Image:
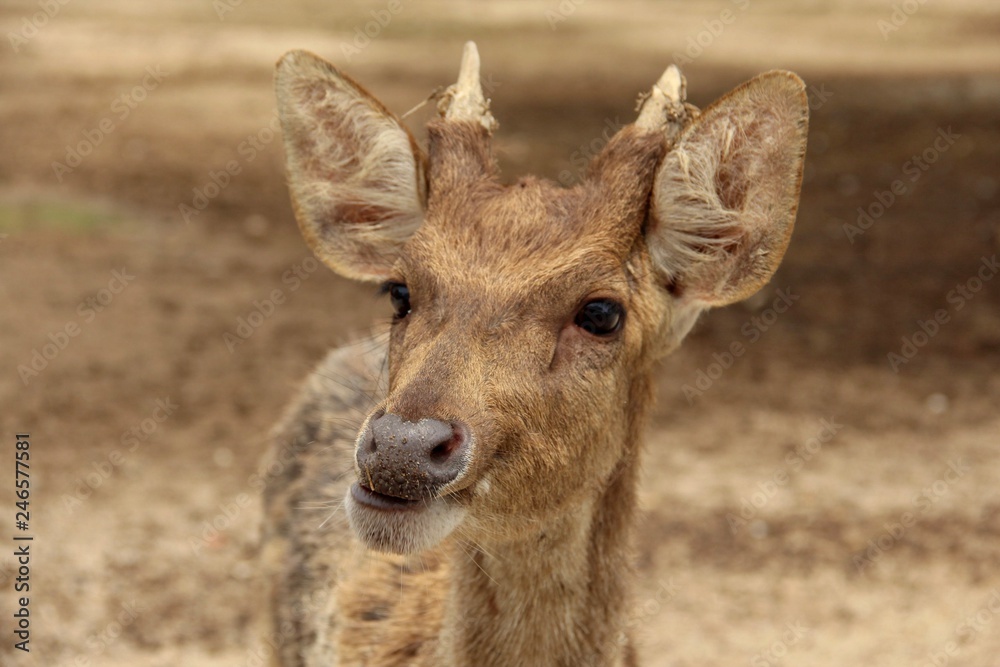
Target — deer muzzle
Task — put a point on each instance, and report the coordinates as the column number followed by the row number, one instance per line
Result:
column 409, row 461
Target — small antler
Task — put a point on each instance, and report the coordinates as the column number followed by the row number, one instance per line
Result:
column 665, row 107
column 464, row 99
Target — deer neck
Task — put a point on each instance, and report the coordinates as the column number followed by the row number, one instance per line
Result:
column 556, row 598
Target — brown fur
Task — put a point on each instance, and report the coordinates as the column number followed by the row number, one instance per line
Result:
column 523, row 559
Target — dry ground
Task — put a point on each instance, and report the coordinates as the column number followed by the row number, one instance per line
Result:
column 127, row 567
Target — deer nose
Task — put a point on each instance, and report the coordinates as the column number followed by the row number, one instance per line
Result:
column 411, row 460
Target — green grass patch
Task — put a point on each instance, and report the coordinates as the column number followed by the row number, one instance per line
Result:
column 67, row 216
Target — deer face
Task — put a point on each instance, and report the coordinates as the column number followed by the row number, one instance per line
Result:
column 526, row 317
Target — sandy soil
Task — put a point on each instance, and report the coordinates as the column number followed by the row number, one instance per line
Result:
column 775, row 500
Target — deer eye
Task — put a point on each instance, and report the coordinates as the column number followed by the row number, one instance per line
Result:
column 399, row 297
column 601, row 317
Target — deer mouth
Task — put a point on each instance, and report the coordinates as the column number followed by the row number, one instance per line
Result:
column 400, row 525
column 371, row 499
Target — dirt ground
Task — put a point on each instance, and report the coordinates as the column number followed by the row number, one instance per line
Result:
column 814, row 501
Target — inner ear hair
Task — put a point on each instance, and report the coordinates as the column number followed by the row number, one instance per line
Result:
column 725, row 196
column 356, row 175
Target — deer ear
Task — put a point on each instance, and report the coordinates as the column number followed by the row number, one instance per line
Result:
column 355, row 173
column 724, row 198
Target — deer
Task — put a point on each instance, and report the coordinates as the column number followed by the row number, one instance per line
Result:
column 476, row 460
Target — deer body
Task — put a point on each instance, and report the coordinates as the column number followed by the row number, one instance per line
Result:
column 486, row 454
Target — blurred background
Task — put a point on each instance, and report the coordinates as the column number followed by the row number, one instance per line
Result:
column 827, row 497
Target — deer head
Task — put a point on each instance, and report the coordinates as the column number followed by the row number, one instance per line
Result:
column 527, row 317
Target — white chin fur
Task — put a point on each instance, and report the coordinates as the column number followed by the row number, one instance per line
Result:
column 406, row 531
